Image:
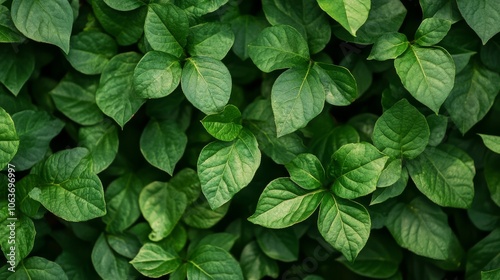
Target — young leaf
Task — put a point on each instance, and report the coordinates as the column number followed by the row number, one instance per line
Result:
column 282, row 244
column 344, row 224
column 107, row 263
column 283, row 204
column 297, row 97
column 401, row 131
column 279, row 47
column 17, row 67
column 24, row 237
column 102, row 142
column 473, row 95
column 492, row 142
column 39, row 268
column 155, row 261
column 48, row 21
column 389, row 46
column 431, row 31
column 210, row 262
column 206, row 83
column 340, row 86
column 166, row 28
column 210, row 39
column 116, row 96
column 9, row 141
column 383, row 194
column 156, row 209
column 225, row 168
column 445, row 175
column 422, row 227
column 157, row 75
column 246, row 29
column 90, row 51
column 226, row 125
column 350, row 14
column 306, row 171
column 482, row 16
column 326, row 144
column 356, row 168
column 427, row 73
column 255, row 264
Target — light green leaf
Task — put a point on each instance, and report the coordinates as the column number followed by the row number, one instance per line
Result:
column 108, row 264
column 309, row 20
column 163, row 144
column 116, row 96
column 383, row 194
column 225, row 125
column 102, row 142
column 199, row 8
column 344, row 224
column 329, row 142
column 246, row 29
column 279, row 47
column 427, row 73
column 482, row 16
column 74, row 96
column 9, row 141
column 255, row 264
column 67, row 175
column 48, row 21
column 297, row 97
column 35, row 130
column 445, row 175
column 484, row 255
column 38, row 268
column 389, row 46
column 122, row 202
column 200, row 215
column 473, row 95
column 340, row 86
column 306, row 171
column 283, row 204
column 90, row 51
column 422, row 227
column 206, row 83
column 187, row 181
column 356, row 168
column 166, row 28
column 225, row 168
column 391, row 173
column 155, row 261
column 17, row 67
column 125, row 5
column 350, row 14
column 210, row 262
column 211, row 39
column 401, row 131
column 24, row 237
column 431, row 31
column 282, row 244
column 492, row 142
column 156, row 208
column 8, row 31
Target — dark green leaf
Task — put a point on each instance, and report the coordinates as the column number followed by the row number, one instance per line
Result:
column 484, row 255
column 443, row 9
column 187, row 181
column 482, row 16
column 210, row 39
column 102, row 142
column 8, row 31
column 246, row 29
column 222, row 240
column 17, row 66
column 437, row 126
column 340, row 86
column 107, row 263
column 329, row 142
column 125, row 5
column 39, row 268
column 200, row 215
column 282, row 244
column 90, row 51
column 9, row 141
column 394, row 190
column 255, row 264
column 15, row 248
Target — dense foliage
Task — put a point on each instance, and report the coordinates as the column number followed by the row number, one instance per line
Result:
column 225, row 139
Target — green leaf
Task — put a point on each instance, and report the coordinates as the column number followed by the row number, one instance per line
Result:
column 9, row 141
column 431, row 31
column 15, row 248
column 473, row 95
column 340, row 86
column 490, row 274
column 482, row 16
column 74, row 96
column 125, row 244
column 200, row 215
column 210, row 262
column 492, row 142
column 442, row 9
column 69, row 187
column 401, row 131
column 187, row 181
column 116, row 96
column 356, row 168
column 8, row 31
column 283, row 204
column 246, row 29
column 484, row 255
column 437, row 126
column 27, row 205
column 206, row 83
column 211, row 39
column 383, row 194
column 255, row 264
column 350, row 14
column 483, row 212
column 166, row 28
column 225, row 125
column 17, row 67
column 90, row 51
column 155, row 261
column 125, row 5
column 38, row 268
column 35, row 131
column 391, row 173
column 282, row 244
column 389, row 46
column 493, row 177
column 163, row 144
column 225, row 168
column 122, row 202
column 309, row 20
column 278, row 47
column 48, row 21
column 427, row 73
column 297, row 97
column 222, row 240
column 161, row 215
column 306, row 171
column 126, row 27
column 344, row 224
column 107, row 263
column 102, row 142
column 199, row 8
column 327, row 143
column 489, row 54
column 422, row 227
column 445, row 175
